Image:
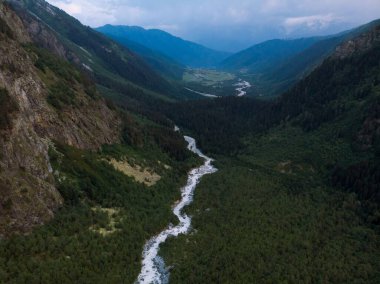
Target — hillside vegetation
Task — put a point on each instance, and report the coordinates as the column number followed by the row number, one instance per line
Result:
column 297, row 195
column 106, row 61
column 185, row 52
column 61, row 199
column 275, row 66
column 85, row 180
column 156, row 60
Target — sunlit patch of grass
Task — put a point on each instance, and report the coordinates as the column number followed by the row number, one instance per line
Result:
column 110, row 226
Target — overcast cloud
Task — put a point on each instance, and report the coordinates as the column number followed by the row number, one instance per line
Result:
column 225, row 24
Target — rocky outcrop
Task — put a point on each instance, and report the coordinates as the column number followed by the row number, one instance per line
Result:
column 28, row 196
column 42, row 34
column 14, row 23
column 360, row 43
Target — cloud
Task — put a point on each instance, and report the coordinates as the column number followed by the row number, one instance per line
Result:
column 71, row 8
column 313, row 23
column 86, row 11
column 226, row 24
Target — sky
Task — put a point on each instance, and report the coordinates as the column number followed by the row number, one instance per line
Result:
column 229, row 25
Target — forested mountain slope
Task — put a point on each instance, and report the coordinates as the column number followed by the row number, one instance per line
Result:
column 157, row 61
column 277, row 65
column 108, row 176
column 108, row 62
column 342, row 93
column 185, row 52
column 296, row 197
column 264, row 55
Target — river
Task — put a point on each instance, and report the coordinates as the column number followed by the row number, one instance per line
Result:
column 241, row 89
column 153, row 269
column 242, row 86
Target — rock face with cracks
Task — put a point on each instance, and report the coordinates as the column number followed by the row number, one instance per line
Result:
column 28, row 196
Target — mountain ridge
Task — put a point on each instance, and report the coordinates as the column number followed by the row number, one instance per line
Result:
column 107, row 61
column 183, row 51
column 157, row 61
column 273, row 71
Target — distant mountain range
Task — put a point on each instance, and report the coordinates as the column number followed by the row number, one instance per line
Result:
column 184, row 52
column 276, row 65
column 272, row 66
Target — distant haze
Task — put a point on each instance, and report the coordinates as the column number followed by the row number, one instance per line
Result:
column 224, row 24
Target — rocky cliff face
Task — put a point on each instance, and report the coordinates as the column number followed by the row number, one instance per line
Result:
column 28, row 196
column 41, row 34
column 360, row 43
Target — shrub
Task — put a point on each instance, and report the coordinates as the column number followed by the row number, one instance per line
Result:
column 61, row 95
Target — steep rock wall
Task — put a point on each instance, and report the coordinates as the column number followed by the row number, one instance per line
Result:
column 28, row 196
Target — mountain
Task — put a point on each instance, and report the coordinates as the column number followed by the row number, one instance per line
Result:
column 340, row 96
column 298, row 179
column 263, row 56
column 86, row 181
column 185, row 52
column 275, row 66
column 75, row 169
column 112, row 65
column 42, row 99
column 345, row 84
column 156, row 60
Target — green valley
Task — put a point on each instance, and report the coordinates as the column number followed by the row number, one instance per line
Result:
column 130, row 155
column 296, row 197
column 271, row 215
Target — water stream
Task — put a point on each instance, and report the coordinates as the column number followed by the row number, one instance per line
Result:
column 153, row 269
column 242, row 86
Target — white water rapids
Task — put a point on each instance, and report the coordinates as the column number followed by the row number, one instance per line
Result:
column 153, row 268
column 241, row 87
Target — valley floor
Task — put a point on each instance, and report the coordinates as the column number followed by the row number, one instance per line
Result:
column 268, row 217
column 98, row 237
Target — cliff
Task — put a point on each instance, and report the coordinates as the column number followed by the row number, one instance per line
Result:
column 31, row 121
column 360, row 44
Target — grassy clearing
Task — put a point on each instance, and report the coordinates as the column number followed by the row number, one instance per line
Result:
column 212, row 82
column 207, row 77
column 141, row 175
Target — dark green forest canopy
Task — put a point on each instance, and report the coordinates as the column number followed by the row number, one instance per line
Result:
column 341, row 93
column 296, row 198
